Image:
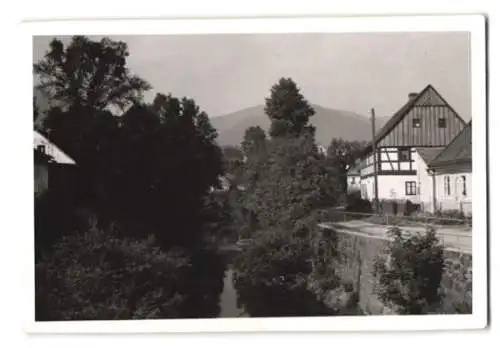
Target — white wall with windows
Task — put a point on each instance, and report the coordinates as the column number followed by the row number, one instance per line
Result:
column 416, row 188
column 454, row 192
column 400, row 187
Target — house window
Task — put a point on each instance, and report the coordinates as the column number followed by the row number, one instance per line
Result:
column 353, row 180
column 411, row 188
column 404, row 154
column 464, row 186
column 41, row 148
column 447, row 186
column 416, row 122
column 442, row 122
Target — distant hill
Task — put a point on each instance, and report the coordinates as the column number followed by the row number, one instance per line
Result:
column 329, row 123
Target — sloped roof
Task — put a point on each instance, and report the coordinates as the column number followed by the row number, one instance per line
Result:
column 58, row 156
column 458, row 150
column 429, row 153
column 399, row 115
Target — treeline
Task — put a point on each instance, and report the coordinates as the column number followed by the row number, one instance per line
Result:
column 144, row 173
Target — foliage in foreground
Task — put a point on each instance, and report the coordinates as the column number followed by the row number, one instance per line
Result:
column 410, row 279
column 276, row 267
column 97, row 276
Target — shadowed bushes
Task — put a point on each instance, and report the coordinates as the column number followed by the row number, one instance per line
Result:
column 97, row 276
column 409, row 279
column 271, row 277
column 357, row 204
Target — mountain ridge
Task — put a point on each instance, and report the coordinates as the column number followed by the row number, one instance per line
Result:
column 330, row 123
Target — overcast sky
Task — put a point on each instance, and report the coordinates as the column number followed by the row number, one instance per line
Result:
column 225, row 73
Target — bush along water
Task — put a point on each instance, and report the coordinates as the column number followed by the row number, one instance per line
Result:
column 97, row 276
column 271, row 277
column 409, row 279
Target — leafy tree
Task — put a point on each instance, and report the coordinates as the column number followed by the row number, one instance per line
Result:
column 131, row 166
column 293, row 182
column 254, row 141
column 410, row 278
column 288, row 110
column 89, row 73
column 169, row 161
column 342, row 154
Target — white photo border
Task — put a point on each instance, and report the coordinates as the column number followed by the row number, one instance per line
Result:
column 474, row 24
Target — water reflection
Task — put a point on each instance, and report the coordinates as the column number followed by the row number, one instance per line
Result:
column 205, row 286
column 214, row 294
column 229, row 303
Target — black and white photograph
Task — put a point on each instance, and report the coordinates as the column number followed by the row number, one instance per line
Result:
column 260, row 175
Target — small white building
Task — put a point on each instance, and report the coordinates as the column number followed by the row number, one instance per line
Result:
column 46, row 156
column 354, row 178
column 451, row 171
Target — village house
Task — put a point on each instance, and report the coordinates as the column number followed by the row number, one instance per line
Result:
column 353, row 178
column 451, row 172
column 49, row 161
column 417, row 133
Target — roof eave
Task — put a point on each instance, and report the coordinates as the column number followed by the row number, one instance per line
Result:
column 440, row 164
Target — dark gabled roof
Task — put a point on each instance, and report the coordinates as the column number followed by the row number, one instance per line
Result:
column 458, row 150
column 399, row 115
column 429, row 153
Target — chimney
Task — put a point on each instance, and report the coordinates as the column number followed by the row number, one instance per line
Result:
column 412, row 95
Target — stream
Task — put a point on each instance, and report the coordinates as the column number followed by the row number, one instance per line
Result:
column 214, row 295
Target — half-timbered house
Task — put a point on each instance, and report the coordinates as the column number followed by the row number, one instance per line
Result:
column 405, row 145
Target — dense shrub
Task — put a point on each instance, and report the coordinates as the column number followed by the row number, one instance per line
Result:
column 95, row 275
column 357, row 204
column 271, row 276
column 409, row 280
column 411, row 208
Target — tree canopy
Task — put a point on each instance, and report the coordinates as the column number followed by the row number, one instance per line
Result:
column 154, row 164
column 288, row 110
column 89, row 73
column 292, row 183
column 342, row 154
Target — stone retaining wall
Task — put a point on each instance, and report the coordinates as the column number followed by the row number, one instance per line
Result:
column 352, row 256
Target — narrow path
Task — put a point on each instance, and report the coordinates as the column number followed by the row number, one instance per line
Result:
column 452, row 237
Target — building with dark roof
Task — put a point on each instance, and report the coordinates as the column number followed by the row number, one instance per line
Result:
column 404, row 147
column 451, row 171
column 49, row 161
